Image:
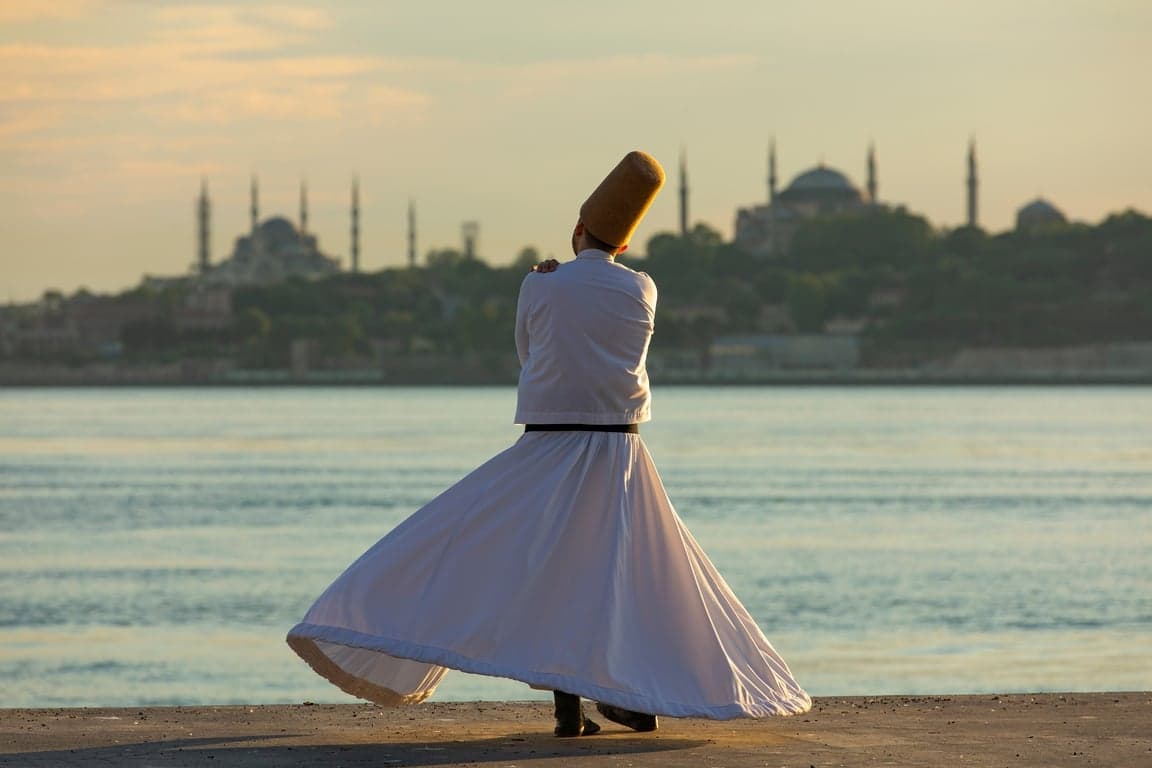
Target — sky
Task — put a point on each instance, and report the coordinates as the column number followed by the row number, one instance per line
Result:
column 509, row 112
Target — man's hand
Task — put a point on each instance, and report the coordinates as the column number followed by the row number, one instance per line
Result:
column 548, row 265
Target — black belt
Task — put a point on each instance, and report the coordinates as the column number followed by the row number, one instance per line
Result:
column 631, row 428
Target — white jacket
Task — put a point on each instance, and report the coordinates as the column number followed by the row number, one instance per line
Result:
column 582, row 334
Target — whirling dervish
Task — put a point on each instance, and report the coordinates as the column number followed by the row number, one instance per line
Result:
column 560, row 562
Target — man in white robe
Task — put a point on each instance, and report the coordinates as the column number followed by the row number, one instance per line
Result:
column 582, row 334
column 560, row 562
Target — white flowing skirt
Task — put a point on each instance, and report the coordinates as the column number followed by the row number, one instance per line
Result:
column 560, row 563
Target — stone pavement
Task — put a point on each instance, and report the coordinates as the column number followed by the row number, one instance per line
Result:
column 1048, row 730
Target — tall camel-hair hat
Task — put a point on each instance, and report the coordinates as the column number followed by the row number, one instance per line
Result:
column 614, row 210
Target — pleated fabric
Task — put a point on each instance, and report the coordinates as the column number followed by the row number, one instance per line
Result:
column 560, row 563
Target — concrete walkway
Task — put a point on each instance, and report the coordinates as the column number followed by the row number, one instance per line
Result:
column 1049, row 730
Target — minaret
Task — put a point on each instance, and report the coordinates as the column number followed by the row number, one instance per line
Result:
column 303, row 207
column 973, row 183
column 411, row 233
column 872, row 173
column 254, row 207
column 255, row 246
column 772, row 171
column 683, row 193
column 470, row 233
column 203, row 218
column 356, row 224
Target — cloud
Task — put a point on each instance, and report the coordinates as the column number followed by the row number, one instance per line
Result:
column 292, row 102
column 202, row 64
column 226, row 71
column 206, row 30
column 46, row 62
column 86, row 75
column 294, row 16
column 27, row 123
column 217, row 65
column 15, row 11
column 282, row 16
column 120, row 143
column 169, row 169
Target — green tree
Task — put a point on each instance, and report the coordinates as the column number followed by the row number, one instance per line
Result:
column 444, row 259
column 149, row 337
column 681, row 266
column 526, row 259
column 861, row 241
column 253, row 324
column 808, row 302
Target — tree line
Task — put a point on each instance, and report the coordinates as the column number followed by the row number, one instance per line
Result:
column 909, row 290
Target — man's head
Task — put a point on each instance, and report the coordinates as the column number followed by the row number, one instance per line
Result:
column 582, row 239
column 612, row 212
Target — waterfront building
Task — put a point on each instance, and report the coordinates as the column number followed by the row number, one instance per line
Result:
column 204, row 307
column 752, row 356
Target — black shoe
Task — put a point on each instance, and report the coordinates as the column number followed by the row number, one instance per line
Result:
column 570, row 720
column 637, row 721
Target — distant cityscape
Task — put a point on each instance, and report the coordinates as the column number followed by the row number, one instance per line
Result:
column 275, row 249
column 822, row 281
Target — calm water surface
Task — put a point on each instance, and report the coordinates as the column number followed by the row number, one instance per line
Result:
column 156, row 544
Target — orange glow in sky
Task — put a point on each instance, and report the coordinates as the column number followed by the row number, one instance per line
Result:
column 509, row 112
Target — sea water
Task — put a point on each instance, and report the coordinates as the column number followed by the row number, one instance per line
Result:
column 156, row 544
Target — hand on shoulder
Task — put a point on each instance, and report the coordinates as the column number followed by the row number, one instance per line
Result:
column 548, row 265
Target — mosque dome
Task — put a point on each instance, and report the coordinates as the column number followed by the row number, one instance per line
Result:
column 1039, row 214
column 277, row 233
column 278, row 226
column 821, row 185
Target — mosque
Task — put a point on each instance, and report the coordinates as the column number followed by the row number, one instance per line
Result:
column 273, row 249
column 767, row 229
column 276, row 249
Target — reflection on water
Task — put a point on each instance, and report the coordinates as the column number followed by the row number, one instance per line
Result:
column 156, row 544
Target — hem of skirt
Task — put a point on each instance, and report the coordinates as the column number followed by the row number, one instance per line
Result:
column 307, row 650
column 302, row 639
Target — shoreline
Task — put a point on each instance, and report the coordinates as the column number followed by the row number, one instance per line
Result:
column 1050, row 730
column 858, row 378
